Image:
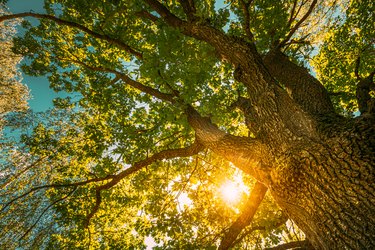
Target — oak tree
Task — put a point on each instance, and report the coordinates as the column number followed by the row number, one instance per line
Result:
column 173, row 98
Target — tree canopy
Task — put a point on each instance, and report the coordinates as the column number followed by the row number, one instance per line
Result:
column 166, row 115
column 13, row 94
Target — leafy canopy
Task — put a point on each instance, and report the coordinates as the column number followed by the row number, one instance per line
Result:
column 61, row 185
column 13, row 94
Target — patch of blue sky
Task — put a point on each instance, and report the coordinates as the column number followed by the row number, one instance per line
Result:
column 41, row 94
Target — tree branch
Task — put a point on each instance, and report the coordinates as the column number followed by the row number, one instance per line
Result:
column 189, row 9
column 245, row 9
column 257, row 195
column 98, row 201
column 163, row 155
column 21, row 172
column 223, row 43
column 292, row 17
column 298, row 24
column 44, row 211
column 118, row 43
column 294, row 244
column 170, row 18
column 55, row 185
column 280, row 221
column 146, row 89
column 305, row 89
column 356, row 69
column 246, row 153
column 135, row 84
column 147, row 15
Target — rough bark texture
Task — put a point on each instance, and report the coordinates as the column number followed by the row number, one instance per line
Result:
column 300, row 85
column 327, row 188
column 318, row 166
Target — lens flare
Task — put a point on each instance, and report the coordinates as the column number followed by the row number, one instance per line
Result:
column 230, row 192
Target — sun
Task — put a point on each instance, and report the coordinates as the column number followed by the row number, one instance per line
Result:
column 230, row 192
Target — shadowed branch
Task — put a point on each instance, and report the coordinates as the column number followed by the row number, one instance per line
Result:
column 280, row 221
column 120, row 44
column 170, row 18
column 292, row 245
column 245, row 10
column 135, row 84
column 189, row 8
column 304, row 88
column 246, row 217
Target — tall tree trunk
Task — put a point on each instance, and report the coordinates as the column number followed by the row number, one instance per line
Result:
column 317, row 166
column 327, row 188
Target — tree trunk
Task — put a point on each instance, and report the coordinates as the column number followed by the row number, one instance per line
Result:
column 317, row 166
column 327, row 187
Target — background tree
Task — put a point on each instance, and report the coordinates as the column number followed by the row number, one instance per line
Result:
column 178, row 97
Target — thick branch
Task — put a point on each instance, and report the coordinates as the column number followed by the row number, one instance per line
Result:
column 305, row 90
column 255, row 199
column 118, row 43
column 292, row 245
column 245, row 9
column 170, row 18
column 224, row 44
column 246, row 153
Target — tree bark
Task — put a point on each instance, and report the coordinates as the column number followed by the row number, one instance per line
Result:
column 327, row 188
column 300, row 85
column 322, row 164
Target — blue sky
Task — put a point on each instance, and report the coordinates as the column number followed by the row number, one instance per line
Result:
column 42, row 95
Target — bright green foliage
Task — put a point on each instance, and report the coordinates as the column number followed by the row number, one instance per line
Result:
column 108, row 125
column 13, row 94
column 347, row 47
